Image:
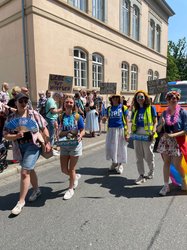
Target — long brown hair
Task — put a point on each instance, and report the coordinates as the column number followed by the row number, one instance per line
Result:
column 146, row 103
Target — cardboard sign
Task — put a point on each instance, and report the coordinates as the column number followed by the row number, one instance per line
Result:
column 108, row 88
column 157, row 86
column 59, row 83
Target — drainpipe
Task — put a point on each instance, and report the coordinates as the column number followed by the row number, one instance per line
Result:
column 25, row 43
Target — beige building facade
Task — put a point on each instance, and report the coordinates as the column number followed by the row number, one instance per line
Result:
column 122, row 41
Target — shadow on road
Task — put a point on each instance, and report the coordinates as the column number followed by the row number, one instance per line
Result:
column 120, row 186
column 7, row 202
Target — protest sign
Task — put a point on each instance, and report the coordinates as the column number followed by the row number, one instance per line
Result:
column 108, row 88
column 157, row 86
column 59, row 83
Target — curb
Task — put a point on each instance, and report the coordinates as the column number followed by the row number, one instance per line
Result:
column 17, row 168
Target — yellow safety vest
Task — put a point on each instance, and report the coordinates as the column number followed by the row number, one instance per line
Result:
column 124, row 108
column 148, row 122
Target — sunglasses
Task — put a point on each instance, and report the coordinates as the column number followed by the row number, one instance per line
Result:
column 140, row 97
column 23, row 101
column 171, row 97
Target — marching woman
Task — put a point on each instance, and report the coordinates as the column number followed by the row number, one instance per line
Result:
column 26, row 146
column 72, row 126
column 144, row 121
column 173, row 123
column 116, row 140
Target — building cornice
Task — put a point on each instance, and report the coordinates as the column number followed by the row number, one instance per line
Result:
column 164, row 6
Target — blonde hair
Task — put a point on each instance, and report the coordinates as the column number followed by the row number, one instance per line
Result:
column 3, row 86
column 16, row 89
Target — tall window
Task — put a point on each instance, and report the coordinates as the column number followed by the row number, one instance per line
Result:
column 80, row 4
column 156, row 75
column 134, row 77
column 80, row 67
column 125, row 76
column 97, row 70
column 135, row 23
column 150, row 75
column 152, row 34
column 125, row 17
column 98, row 9
column 158, row 37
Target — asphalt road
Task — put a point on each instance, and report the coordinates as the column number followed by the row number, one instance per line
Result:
column 106, row 212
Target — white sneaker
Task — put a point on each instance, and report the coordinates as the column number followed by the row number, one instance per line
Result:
column 35, row 194
column 56, row 152
column 76, row 182
column 150, row 174
column 68, row 194
column 141, row 179
column 119, row 169
column 17, row 209
column 165, row 189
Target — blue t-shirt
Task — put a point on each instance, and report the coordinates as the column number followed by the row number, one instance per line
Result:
column 115, row 119
column 140, row 116
column 69, row 123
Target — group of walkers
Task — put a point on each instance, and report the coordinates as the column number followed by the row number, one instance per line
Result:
column 58, row 116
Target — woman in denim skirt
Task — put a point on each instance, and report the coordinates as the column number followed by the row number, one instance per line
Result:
column 22, row 128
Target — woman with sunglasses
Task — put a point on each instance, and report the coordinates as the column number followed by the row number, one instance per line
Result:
column 71, row 126
column 26, row 146
column 173, row 123
column 143, row 127
column 117, row 135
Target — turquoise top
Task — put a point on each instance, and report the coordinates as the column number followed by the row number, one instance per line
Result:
column 51, row 104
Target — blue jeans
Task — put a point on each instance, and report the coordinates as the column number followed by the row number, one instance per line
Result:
column 51, row 129
column 30, row 153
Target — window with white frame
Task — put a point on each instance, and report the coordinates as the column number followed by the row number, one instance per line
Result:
column 80, row 67
column 97, row 70
column 125, row 17
column 80, row 4
column 98, row 9
column 125, row 76
column 135, row 23
column 150, row 75
column 156, row 75
column 158, row 37
column 134, row 77
column 152, row 34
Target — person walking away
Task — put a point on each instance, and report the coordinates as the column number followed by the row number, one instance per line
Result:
column 52, row 111
column 41, row 103
column 144, row 121
column 91, row 123
column 4, row 94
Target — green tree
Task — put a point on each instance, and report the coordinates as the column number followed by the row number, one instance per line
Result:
column 177, row 60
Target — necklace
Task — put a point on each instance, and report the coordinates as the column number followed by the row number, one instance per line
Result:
column 175, row 116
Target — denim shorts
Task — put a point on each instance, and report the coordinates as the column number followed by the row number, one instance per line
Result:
column 72, row 150
column 30, row 154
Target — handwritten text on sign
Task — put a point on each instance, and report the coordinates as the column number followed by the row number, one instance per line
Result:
column 107, row 88
column 157, row 86
column 59, row 83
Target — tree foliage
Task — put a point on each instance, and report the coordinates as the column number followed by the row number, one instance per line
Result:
column 177, row 60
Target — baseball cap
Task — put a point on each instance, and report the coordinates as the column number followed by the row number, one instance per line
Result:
column 20, row 96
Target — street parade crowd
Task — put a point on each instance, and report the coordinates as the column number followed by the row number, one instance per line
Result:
column 60, row 121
